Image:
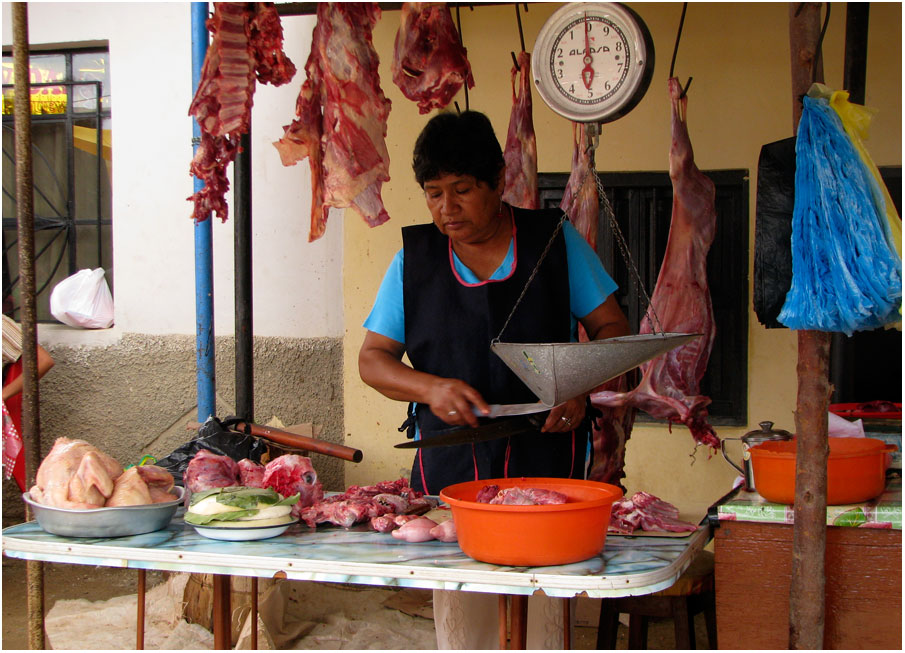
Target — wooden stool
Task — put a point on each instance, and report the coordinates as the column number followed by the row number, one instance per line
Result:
column 691, row 594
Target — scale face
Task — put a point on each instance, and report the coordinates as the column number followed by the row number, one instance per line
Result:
column 593, row 62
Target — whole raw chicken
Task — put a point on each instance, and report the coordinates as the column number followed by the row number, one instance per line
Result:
column 139, row 486
column 75, row 475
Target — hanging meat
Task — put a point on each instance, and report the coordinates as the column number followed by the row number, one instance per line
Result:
column 611, row 431
column 521, row 145
column 246, row 44
column 681, row 301
column 342, row 117
column 429, row 63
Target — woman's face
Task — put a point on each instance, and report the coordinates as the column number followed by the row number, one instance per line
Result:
column 463, row 208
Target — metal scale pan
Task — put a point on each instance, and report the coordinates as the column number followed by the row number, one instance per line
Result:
column 557, row 372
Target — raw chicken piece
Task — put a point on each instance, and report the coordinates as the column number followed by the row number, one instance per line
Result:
column 445, row 531
column 670, row 383
column 429, row 63
column 251, row 474
column 290, row 474
column 76, row 475
column 521, row 144
column 417, row 530
column 206, row 470
column 159, row 481
column 383, row 523
column 130, row 489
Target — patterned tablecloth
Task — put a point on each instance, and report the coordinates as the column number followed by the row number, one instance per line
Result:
column 883, row 512
column 627, row 566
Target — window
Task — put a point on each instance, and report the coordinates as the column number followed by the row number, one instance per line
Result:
column 642, row 203
column 70, row 106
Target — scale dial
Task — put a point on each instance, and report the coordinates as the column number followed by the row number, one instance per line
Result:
column 593, row 62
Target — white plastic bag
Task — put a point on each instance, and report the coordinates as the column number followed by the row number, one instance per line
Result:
column 83, row 300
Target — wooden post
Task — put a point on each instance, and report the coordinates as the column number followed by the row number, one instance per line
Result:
column 25, row 218
column 808, row 580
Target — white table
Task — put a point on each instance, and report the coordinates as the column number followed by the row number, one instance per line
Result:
column 628, row 566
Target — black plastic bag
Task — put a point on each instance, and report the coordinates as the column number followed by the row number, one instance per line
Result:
column 217, row 437
column 773, row 230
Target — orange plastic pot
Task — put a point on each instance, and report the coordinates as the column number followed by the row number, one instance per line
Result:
column 533, row 536
column 855, row 469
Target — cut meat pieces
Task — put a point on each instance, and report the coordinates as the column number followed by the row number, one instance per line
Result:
column 341, row 119
column 206, row 470
column 251, row 474
column 247, row 44
column 291, row 474
column 429, row 63
column 357, row 504
column 520, row 152
column 669, row 388
column 644, row 511
column 521, row 496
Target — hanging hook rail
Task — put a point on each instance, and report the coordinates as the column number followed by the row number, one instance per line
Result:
column 675, row 51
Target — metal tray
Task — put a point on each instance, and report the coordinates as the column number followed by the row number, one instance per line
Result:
column 105, row 522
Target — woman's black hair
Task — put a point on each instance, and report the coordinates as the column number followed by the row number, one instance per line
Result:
column 458, row 144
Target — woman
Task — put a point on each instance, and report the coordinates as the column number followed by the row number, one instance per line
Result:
column 446, row 295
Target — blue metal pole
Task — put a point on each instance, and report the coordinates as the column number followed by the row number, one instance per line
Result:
column 204, row 272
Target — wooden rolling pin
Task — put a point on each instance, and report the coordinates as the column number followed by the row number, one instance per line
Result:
column 295, row 440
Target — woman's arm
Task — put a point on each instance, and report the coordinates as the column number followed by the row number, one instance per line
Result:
column 605, row 321
column 380, row 366
column 45, row 362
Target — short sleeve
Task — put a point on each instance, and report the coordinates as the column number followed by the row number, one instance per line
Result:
column 387, row 317
column 589, row 282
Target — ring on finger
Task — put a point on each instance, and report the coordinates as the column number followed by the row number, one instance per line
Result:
column 566, row 419
column 452, row 412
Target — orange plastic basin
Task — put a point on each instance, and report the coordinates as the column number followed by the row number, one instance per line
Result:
column 533, row 536
column 855, row 469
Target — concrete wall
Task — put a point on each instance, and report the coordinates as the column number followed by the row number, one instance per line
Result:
column 131, row 388
column 740, row 99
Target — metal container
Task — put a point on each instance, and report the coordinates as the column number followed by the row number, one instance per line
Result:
column 766, row 433
column 105, row 522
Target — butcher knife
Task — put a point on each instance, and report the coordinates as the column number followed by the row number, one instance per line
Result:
column 496, row 429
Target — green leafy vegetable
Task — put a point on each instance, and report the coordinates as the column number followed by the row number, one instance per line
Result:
column 245, row 497
column 232, row 515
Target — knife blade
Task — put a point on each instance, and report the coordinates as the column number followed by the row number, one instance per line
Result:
column 496, row 429
column 503, row 410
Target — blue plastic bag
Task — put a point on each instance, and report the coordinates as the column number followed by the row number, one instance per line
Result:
column 845, row 276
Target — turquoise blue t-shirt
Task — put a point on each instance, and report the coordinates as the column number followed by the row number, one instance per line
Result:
column 589, row 285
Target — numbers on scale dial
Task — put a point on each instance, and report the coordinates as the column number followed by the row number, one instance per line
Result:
column 590, row 59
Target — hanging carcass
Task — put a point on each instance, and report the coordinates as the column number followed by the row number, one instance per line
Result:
column 342, row 115
column 246, row 45
column 670, row 384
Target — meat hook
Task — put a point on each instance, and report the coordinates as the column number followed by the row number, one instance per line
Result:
column 675, row 51
column 515, row 61
column 521, row 34
column 462, row 43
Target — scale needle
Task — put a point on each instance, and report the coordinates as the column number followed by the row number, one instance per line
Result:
column 587, row 73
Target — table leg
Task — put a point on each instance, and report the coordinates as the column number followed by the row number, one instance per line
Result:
column 222, row 629
column 566, row 625
column 504, row 615
column 254, row 613
column 140, row 619
column 519, row 612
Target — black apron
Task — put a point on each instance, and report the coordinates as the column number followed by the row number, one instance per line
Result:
column 448, row 330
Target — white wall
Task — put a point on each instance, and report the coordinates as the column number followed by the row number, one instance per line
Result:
column 297, row 286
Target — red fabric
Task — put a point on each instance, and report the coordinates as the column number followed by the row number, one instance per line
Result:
column 14, row 407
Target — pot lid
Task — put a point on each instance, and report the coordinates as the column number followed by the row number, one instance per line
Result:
column 765, row 433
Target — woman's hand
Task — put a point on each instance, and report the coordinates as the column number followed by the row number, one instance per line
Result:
column 566, row 416
column 381, row 367
column 454, row 401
